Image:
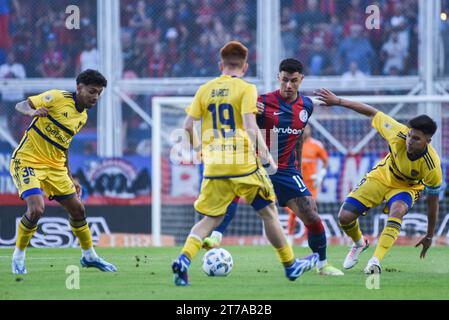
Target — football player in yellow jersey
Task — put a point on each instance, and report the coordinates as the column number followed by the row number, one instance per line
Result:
column 411, row 166
column 39, row 165
column 227, row 108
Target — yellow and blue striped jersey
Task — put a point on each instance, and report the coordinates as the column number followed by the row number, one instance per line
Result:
column 226, row 148
column 48, row 138
column 396, row 169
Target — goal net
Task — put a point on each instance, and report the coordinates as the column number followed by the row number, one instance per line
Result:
column 353, row 146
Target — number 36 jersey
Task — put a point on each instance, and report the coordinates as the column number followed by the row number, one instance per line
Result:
column 227, row 150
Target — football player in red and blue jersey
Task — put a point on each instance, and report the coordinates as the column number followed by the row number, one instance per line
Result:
column 282, row 117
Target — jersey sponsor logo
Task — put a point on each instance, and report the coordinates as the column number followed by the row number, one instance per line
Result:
column 303, row 116
column 287, row 130
column 54, row 132
column 65, row 114
column 278, row 113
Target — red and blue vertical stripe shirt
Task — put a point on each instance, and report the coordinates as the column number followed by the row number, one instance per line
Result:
column 286, row 121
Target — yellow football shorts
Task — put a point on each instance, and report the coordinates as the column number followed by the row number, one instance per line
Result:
column 55, row 183
column 371, row 192
column 217, row 194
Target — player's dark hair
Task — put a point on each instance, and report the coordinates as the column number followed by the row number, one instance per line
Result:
column 424, row 124
column 291, row 65
column 234, row 54
column 90, row 76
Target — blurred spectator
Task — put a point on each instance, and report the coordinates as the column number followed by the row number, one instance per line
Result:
column 218, row 36
column 140, row 17
column 148, row 35
column 398, row 24
column 5, row 37
column 156, row 62
column 128, row 51
column 394, row 54
column 354, row 77
column 89, row 58
column 12, row 70
column 53, row 64
column 356, row 48
column 288, row 31
column 305, row 42
column 319, row 62
column 11, row 95
column 312, row 14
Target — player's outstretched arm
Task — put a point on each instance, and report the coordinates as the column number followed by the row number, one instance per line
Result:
column 328, row 98
column 432, row 214
column 25, row 108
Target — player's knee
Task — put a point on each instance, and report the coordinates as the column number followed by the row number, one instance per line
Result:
column 345, row 217
column 79, row 212
column 35, row 211
column 268, row 213
column 311, row 217
column 398, row 210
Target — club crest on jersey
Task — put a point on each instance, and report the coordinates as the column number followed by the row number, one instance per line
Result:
column 414, row 173
column 303, row 116
column 48, row 98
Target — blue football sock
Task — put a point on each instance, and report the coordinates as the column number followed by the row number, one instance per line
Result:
column 230, row 213
column 316, row 237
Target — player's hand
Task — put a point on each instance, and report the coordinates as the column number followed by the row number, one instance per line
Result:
column 327, row 97
column 273, row 168
column 41, row 112
column 426, row 242
column 318, row 177
column 260, row 107
column 79, row 190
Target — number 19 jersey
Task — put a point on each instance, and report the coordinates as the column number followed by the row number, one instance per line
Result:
column 227, row 150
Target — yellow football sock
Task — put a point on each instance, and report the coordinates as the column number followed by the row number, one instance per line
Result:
column 352, row 230
column 192, row 246
column 388, row 237
column 82, row 232
column 285, row 255
column 25, row 233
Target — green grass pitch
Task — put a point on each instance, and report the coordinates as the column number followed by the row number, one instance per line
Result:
column 144, row 273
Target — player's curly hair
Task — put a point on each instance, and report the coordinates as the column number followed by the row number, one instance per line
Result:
column 90, row 76
column 234, row 54
column 291, row 65
column 424, row 124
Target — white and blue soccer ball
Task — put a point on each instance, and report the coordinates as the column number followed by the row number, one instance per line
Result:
column 217, row 262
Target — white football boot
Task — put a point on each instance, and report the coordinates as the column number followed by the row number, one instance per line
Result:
column 353, row 256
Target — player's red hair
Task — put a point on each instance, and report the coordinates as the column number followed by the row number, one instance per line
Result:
column 234, row 54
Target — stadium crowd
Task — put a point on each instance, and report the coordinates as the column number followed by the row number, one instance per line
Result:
column 331, row 37
column 180, row 38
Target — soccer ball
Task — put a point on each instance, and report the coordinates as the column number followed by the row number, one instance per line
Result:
column 217, row 262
